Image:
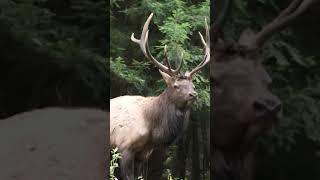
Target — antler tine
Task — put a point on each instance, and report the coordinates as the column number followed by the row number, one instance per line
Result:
column 219, row 19
column 290, row 8
column 206, row 58
column 166, row 62
column 180, row 65
column 143, row 43
column 294, row 10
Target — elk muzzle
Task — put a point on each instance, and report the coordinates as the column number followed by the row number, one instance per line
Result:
column 193, row 95
column 267, row 107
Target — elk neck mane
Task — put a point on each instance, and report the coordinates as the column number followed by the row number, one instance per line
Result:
column 166, row 119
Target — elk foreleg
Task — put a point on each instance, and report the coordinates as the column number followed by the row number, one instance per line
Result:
column 127, row 165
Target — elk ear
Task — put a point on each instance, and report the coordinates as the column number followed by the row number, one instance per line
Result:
column 247, row 37
column 169, row 80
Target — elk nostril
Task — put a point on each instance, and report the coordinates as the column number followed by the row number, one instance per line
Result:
column 267, row 107
column 194, row 94
column 259, row 106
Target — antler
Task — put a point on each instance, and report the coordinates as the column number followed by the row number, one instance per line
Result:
column 294, row 10
column 219, row 19
column 206, row 59
column 143, row 42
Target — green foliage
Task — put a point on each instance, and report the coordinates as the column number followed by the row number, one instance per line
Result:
column 58, row 49
column 115, row 156
column 176, row 20
column 131, row 74
column 45, row 24
column 170, row 176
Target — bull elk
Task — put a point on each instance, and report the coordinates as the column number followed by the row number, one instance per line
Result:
column 243, row 106
column 139, row 124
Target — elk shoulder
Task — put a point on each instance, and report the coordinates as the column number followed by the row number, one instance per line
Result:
column 128, row 122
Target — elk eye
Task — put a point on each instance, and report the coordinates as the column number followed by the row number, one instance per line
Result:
column 176, row 87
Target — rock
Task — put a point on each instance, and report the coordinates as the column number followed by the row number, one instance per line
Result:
column 55, row 144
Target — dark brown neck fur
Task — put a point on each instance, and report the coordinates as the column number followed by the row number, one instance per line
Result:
column 166, row 120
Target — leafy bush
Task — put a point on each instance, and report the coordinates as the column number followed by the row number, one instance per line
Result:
column 115, row 156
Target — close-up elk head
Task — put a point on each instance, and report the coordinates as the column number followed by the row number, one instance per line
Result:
column 243, row 105
column 139, row 125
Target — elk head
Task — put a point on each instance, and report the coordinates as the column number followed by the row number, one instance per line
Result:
column 180, row 88
column 243, row 105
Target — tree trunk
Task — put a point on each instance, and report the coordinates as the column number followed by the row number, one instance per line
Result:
column 179, row 166
column 180, row 163
column 195, row 173
column 204, row 129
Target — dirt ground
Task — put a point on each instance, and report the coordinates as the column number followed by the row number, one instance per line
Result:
column 54, row 144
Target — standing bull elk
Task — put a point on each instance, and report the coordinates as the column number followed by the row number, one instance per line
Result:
column 139, row 124
column 243, row 106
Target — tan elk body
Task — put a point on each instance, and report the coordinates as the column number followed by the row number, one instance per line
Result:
column 139, row 124
column 128, row 124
